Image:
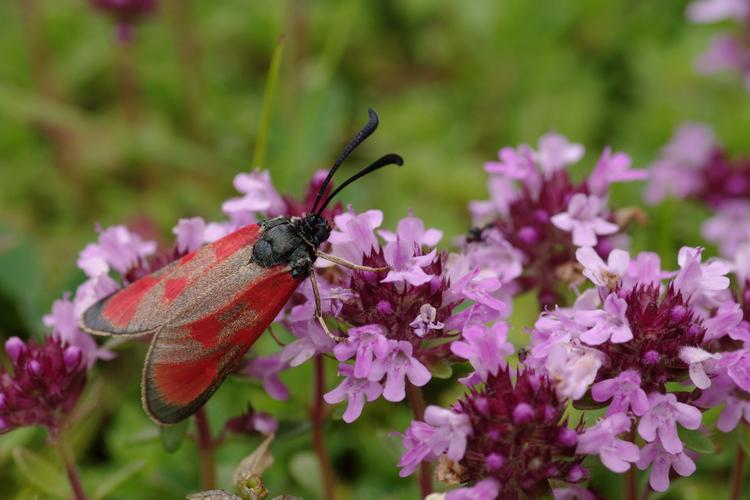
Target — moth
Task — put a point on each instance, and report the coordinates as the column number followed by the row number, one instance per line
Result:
column 206, row 309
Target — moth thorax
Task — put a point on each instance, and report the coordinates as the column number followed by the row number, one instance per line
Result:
column 316, row 229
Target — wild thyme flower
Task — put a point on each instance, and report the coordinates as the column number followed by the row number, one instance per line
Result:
column 511, row 432
column 728, row 51
column 529, row 231
column 43, row 385
column 642, row 328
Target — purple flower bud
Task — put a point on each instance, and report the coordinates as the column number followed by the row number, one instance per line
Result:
column 522, row 413
column 576, row 474
column 541, row 216
column 3, row 405
column 528, row 235
column 567, row 437
column 678, row 313
column 34, row 367
column 15, row 348
column 651, row 357
column 384, row 307
column 72, row 357
column 4, row 425
column 494, row 461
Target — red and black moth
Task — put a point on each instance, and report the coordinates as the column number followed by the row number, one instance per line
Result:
column 206, row 309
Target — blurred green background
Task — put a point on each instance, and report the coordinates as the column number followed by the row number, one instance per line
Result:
column 95, row 133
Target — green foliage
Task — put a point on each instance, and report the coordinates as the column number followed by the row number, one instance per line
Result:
column 452, row 81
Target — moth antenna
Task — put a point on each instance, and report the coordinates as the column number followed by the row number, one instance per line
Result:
column 363, row 134
column 383, row 161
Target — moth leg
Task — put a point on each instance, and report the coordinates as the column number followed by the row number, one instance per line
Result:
column 350, row 265
column 319, row 309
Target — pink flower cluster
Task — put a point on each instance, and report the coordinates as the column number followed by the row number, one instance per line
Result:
column 695, row 166
column 627, row 339
column 728, row 51
column 528, row 231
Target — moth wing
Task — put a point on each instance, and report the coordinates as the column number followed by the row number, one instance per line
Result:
column 150, row 302
column 191, row 355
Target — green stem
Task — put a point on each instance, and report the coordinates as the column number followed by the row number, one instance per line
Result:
column 261, row 142
column 416, row 401
column 74, row 478
column 630, row 486
column 738, row 473
column 317, row 420
column 206, row 450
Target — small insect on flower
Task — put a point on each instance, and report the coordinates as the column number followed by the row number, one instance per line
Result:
column 206, row 309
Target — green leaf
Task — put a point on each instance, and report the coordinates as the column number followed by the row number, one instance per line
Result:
column 172, row 436
column 441, row 369
column 40, row 473
column 113, row 481
column 744, row 437
column 588, row 403
column 261, row 142
column 305, row 469
column 696, row 440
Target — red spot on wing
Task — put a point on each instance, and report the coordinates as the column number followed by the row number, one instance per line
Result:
column 174, row 287
column 121, row 308
column 187, row 258
column 183, row 382
column 206, row 330
column 231, row 243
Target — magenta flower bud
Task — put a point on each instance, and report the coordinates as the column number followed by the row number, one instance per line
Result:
column 522, row 413
column 567, row 437
column 4, row 425
column 678, row 313
column 15, row 348
column 72, row 357
column 651, row 357
column 541, row 216
column 3, row 405
column 528, row 235
column 384, row 307
column 482, row 405
column 34, row 367
column 494, row 461
column 576, row 474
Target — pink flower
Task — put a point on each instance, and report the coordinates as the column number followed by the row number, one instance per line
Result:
column 610, row 324
column 496, row 255
column 695, row 358
column 426, row 321
column 502, row 192
column 612, row 168
column 711, row 11
column 556, row 152
column 484, row 489
column 662, row 417
column 645, row 269
column 411, row 230
column 190, row 234
column 259, row 195
column 117, row 249
column 573, row 368
column 485, row 348
column 267, row 368
column 601, row 274
column 661, row 461
column 364, row 342
column 442, row 432
column 355, row 391
column 697, row 280
column 354, row 235
column 583, row 220
column 396, row 363
column 601, row 439
column 405, row 266
column 625, row 392
column 729, row 228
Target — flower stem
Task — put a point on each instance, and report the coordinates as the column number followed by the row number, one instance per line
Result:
column 738, row 474
column 416, row 401
column 630, row 486
column 317, row 420
column 205, row 451
column 74, row 477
